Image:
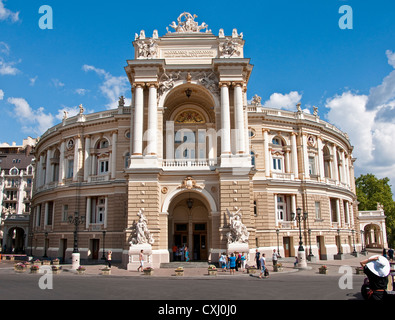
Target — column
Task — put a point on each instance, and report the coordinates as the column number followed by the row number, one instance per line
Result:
column 138, row 120
column 293, row 206
column 294, row 155
column 169, row 140
column 266, row 152
column 239, row 117
column 305, row 156
column 320, row 158
column 343, row 174
column 61, row 163
column 275, row 209
column 87, row 161
column 225, row 119
column 20, row 194
column 48, row 168
column 335, row 168
column 114, row 154
column 339, row 223
column 152, row 120
column 76, row 158
column 88, row 212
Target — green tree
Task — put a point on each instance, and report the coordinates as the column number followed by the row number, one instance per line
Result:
column 370, row 191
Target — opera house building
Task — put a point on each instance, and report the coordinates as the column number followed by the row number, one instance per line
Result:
column 193, row 162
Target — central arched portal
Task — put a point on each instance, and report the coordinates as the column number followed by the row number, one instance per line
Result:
column 189, row 226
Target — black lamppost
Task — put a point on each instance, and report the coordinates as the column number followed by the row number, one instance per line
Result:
column 300, row 218
column 353, row 242
column 104, row 239
column 278, row 246
column 362, row 242
column 76, row 220
column 45, row 245
column 310, row 251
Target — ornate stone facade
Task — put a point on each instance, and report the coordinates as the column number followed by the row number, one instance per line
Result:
column 207, row 169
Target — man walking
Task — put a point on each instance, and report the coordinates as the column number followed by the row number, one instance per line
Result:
column 257, row 258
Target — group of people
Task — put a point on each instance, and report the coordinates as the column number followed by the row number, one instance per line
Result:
column 389, row 254
column 233, row 262
column 180, row 253
column 261, row 262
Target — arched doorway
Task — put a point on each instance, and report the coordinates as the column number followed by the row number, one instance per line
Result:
column 189, row 226
column 15, row 242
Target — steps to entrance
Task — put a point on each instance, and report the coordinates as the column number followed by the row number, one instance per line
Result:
column 192, row 264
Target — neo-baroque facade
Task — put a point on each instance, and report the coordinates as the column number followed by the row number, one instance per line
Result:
column 192, row 153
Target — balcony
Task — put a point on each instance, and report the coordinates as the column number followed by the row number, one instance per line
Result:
column 185, row 164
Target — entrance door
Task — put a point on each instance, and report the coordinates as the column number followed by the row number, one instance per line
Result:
column 95, row 248
column 287, row 246
column 199, row 241
column 320, row 240
column 62, row 249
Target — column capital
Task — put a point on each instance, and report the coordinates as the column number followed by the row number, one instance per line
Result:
column 294, row 133
column 237, row 83
column 152, row 85
column 138, row 84
column 224, row 83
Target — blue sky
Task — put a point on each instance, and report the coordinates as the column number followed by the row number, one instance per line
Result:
column 298, row 51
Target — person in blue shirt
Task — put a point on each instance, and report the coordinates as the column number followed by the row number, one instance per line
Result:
column 232, row 263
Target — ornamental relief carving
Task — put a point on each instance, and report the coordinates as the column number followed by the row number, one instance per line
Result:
column 147, row 49
column 208, row 80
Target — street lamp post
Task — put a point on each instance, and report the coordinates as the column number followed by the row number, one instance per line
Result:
column 353, row 242
column 278, row 246
column 301, row 253
column 311, row 256
column 75, row 256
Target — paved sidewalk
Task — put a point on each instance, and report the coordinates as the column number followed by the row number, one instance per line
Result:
column 287, row 263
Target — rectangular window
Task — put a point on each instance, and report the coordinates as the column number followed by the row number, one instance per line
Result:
column 103, row 166
column 70, row 168
column 98, row 210
column 49, row 213
column 346, row 213
column 65, row 213
column 277, row 164
column 317, row 210
column 312, row 170
column 333, row 210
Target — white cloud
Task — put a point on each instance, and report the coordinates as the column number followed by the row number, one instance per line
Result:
column 6, row 67
column 283, row 101
column 81, row 91
column 33, row 81
column 34, row 121
column 370, row 123
column 385, row 92
column 1, row 94
column 71, row 112
column 57, row 83
column 6, row 14
column 112, row 87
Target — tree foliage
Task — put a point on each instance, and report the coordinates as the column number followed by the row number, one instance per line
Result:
column 370, row 191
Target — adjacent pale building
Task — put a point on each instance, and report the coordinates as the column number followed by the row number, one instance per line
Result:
column 16, row 181
column 192, row 162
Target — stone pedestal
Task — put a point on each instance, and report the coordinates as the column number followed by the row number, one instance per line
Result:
column 302, row 262
column 134, row 254
column 237, row 247
column 75, row 260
